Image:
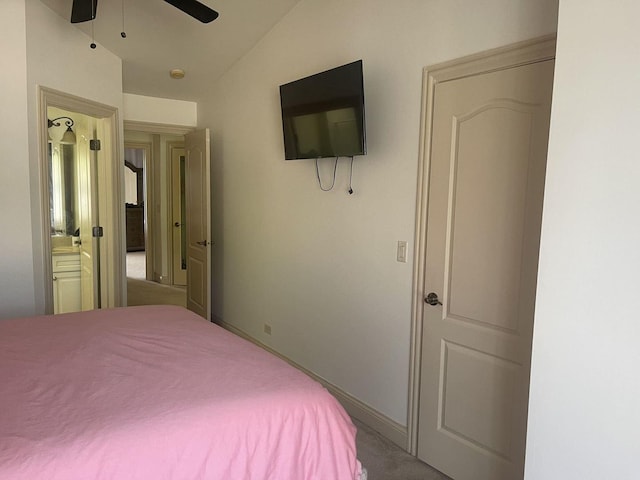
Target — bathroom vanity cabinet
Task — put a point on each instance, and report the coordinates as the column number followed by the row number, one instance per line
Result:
column 66, row 281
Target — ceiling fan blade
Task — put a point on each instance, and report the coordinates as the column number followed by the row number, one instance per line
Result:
column 83, row 10
column 196, row 9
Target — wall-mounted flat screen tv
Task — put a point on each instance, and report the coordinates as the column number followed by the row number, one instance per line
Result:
column 323, row 115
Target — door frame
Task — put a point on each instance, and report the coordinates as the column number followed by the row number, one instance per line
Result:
column 110, row 212
column 518, row 54
column 155, row 191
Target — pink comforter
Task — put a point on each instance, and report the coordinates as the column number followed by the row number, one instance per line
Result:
column 159, row 393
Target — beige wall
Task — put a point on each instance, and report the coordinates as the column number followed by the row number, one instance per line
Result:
column 321, row 267
column 91, row 74
column 585, row 389
column 16, row 280
column 139, row 108
column 37, row 35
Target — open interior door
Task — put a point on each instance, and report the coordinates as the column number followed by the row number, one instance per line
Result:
column 198, row 219
column 87, row 206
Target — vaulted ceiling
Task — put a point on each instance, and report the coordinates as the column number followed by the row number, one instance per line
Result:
column 160, row 37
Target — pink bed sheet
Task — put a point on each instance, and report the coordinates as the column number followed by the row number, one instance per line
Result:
column 159, row 393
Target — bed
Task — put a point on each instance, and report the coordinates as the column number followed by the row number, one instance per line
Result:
column 157, row 392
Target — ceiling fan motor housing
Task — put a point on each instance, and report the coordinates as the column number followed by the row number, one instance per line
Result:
column 85, row 10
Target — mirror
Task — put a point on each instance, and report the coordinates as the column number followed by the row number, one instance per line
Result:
column 63, row 189
column 133, row 183
column 134, row 198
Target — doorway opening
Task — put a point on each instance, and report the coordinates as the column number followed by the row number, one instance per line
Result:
column 74, row 211
column 80, row 189
column 177, row 216
column 136, row 157
column 149, row 220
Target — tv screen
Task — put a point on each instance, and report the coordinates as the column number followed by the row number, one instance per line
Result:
column 323, row 115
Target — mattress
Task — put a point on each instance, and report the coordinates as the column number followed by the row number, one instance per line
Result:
column 157, row 392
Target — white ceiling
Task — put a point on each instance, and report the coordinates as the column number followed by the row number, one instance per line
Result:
column 161, row 37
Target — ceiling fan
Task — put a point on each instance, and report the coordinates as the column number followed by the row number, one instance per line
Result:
column 85, row 10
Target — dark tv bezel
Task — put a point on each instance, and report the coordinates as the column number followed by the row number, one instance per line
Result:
column 337, row 103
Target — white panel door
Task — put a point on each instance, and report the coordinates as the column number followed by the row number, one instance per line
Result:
column 197, row 198
column 489, row 146
column 88, row 208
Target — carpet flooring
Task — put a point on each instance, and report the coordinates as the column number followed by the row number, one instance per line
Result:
column 136, row 265
column 384, row 460
column 143, row 292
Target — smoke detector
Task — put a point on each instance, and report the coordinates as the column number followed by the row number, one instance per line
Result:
column 176, row 73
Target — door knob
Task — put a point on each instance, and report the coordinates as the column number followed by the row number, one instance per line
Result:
column 177, row 224
column 203, row 243
column 432, row 299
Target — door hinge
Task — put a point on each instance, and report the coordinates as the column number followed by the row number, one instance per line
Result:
column 97, row 231
column 94, row 145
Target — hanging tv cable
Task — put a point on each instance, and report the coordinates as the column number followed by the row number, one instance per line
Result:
column 122, row 33
column 335, row 167
column 93, row 36
column 93, row 20
column 350, row 191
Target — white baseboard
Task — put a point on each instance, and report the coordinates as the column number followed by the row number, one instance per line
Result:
column 369, row 416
